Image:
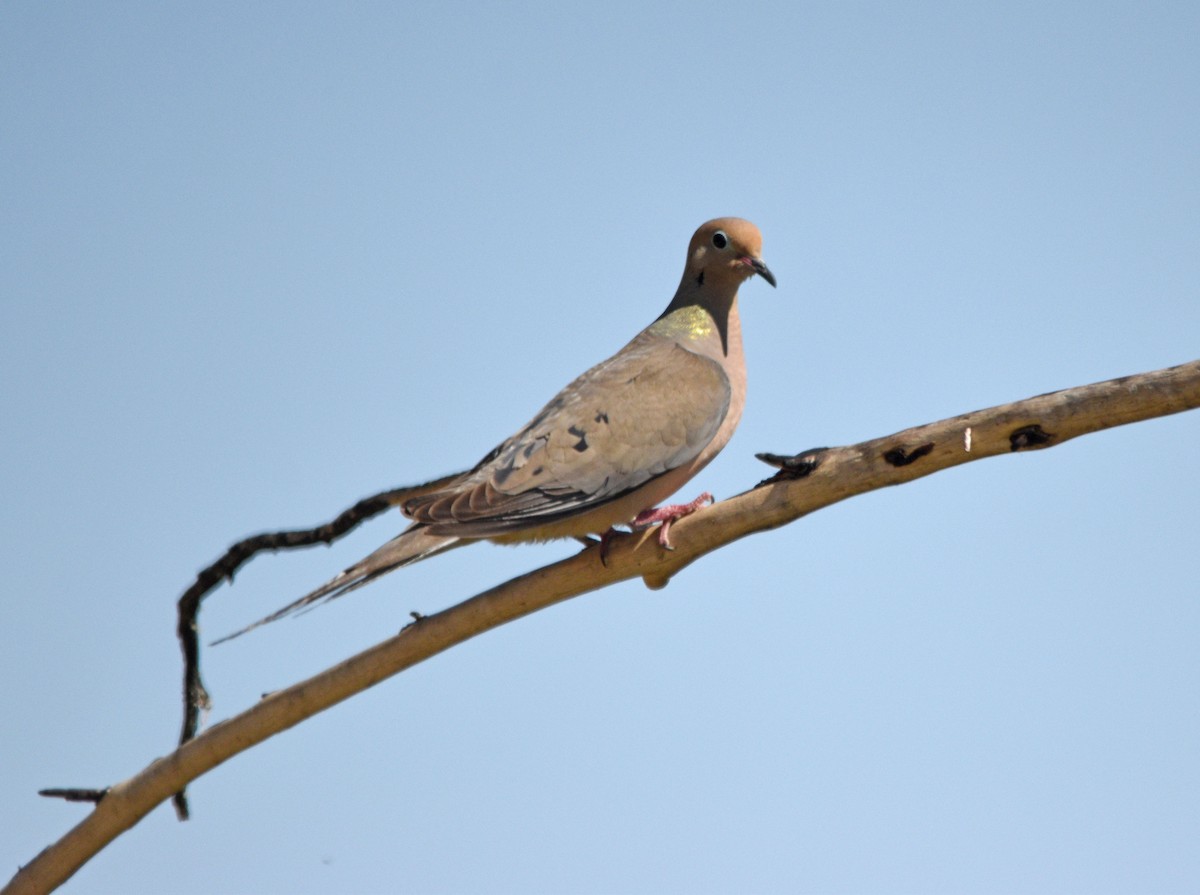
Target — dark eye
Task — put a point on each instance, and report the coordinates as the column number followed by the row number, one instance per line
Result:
column 720, row 240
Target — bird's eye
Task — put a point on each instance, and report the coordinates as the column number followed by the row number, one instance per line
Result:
column 720, row 240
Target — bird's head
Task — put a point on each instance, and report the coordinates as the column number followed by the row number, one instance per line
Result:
column 724, row 253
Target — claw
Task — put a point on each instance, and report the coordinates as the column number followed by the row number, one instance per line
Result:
column 605, row 540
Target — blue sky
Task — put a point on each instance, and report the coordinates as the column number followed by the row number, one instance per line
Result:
column 261, row 260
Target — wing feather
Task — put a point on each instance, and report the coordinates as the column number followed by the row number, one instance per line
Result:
column 647, row 410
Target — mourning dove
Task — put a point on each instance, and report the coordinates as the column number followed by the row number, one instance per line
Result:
column 622, row 437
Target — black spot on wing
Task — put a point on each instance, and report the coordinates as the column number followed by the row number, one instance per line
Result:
column 581, row 434
column 491, row 455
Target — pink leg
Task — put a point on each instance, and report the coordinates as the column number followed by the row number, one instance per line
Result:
column 666, row 515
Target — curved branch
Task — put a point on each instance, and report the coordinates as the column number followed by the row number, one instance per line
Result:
column 805, row 483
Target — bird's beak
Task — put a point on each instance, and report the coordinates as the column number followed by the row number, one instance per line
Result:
column 759, row 267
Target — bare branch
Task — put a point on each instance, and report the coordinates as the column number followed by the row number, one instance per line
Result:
column 805, row 483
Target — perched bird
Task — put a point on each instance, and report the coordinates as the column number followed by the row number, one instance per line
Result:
column 625, row 435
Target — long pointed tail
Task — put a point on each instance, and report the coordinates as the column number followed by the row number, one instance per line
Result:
column 412, row 545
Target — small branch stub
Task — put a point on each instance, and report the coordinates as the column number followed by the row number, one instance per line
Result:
column 75, row 795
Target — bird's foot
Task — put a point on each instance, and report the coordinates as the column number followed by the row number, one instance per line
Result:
column 603, row 542
column 667, row 515
column 606, row 540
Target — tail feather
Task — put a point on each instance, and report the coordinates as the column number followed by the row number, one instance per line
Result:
column 412, row 545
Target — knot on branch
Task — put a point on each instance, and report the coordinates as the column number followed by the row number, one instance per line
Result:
column 900, row 456
column 1030, row 437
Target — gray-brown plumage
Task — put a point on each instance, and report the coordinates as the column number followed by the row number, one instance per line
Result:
column 615, row 442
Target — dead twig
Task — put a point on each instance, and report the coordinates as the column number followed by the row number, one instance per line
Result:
column 195, row 696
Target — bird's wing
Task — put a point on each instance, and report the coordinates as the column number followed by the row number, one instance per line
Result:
column 652, row 407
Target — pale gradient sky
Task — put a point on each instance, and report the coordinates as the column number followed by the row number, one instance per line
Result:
column 260, row 260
